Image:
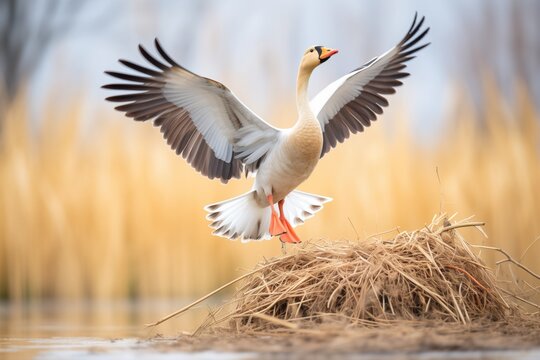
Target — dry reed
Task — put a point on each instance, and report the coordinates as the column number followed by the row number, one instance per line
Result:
column 428, row 274
column 108, row 211
column 420, row 290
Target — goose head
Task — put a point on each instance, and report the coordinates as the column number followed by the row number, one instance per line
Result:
column 316, row 55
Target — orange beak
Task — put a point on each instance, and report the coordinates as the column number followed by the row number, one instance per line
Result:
column 326, row 53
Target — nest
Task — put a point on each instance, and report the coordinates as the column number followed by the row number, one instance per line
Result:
column 425, row 277
column 428, row 274
column 420, row 290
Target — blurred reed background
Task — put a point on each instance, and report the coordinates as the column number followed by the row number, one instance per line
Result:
column 103, row 209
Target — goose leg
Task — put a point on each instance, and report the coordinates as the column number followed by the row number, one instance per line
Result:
column 289, row 236
column 276, row 226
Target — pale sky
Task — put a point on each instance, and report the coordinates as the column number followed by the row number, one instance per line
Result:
column 254, row 48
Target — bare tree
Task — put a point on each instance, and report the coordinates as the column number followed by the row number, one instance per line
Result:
column 27, row 30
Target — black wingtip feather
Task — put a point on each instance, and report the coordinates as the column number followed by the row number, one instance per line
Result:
column 130, row 87
column 404, row 59
column 163, row 54
column 151, row 59
column 129, row 97
column 419, row 25
column 414, row 22
column 412, row 51
column 413, row 42
column 116, row 98
column 139, row 68
column 412, row 30
column 401, row 75
column 133, row 78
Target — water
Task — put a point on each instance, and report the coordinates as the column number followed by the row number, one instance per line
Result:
column 102, row 330
column 115, row 330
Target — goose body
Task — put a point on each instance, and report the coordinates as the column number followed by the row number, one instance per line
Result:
column 287, row 165
column 220, row 137
column 296, row 151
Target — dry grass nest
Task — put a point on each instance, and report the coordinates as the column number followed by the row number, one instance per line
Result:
column 428, row 274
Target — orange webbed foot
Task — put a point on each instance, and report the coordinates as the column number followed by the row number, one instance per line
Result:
column 276, row 226
column 290, row 236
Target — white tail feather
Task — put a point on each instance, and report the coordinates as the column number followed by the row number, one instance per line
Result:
column 241, row 217
column 300, row 206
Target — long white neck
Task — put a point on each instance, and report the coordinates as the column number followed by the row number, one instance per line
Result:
column 302, row 100
column 306, row 136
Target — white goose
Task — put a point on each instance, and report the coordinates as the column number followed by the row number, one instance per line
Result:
column 220, row 137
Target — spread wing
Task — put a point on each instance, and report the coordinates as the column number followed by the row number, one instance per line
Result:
column 350, row 103
column 200, row 118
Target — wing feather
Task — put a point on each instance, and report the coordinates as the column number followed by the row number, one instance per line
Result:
column 352, row 102
column 200, row 118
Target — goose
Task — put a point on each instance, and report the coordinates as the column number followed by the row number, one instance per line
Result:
column 205, row 123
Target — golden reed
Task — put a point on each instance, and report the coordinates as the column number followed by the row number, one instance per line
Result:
column 109, row 211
